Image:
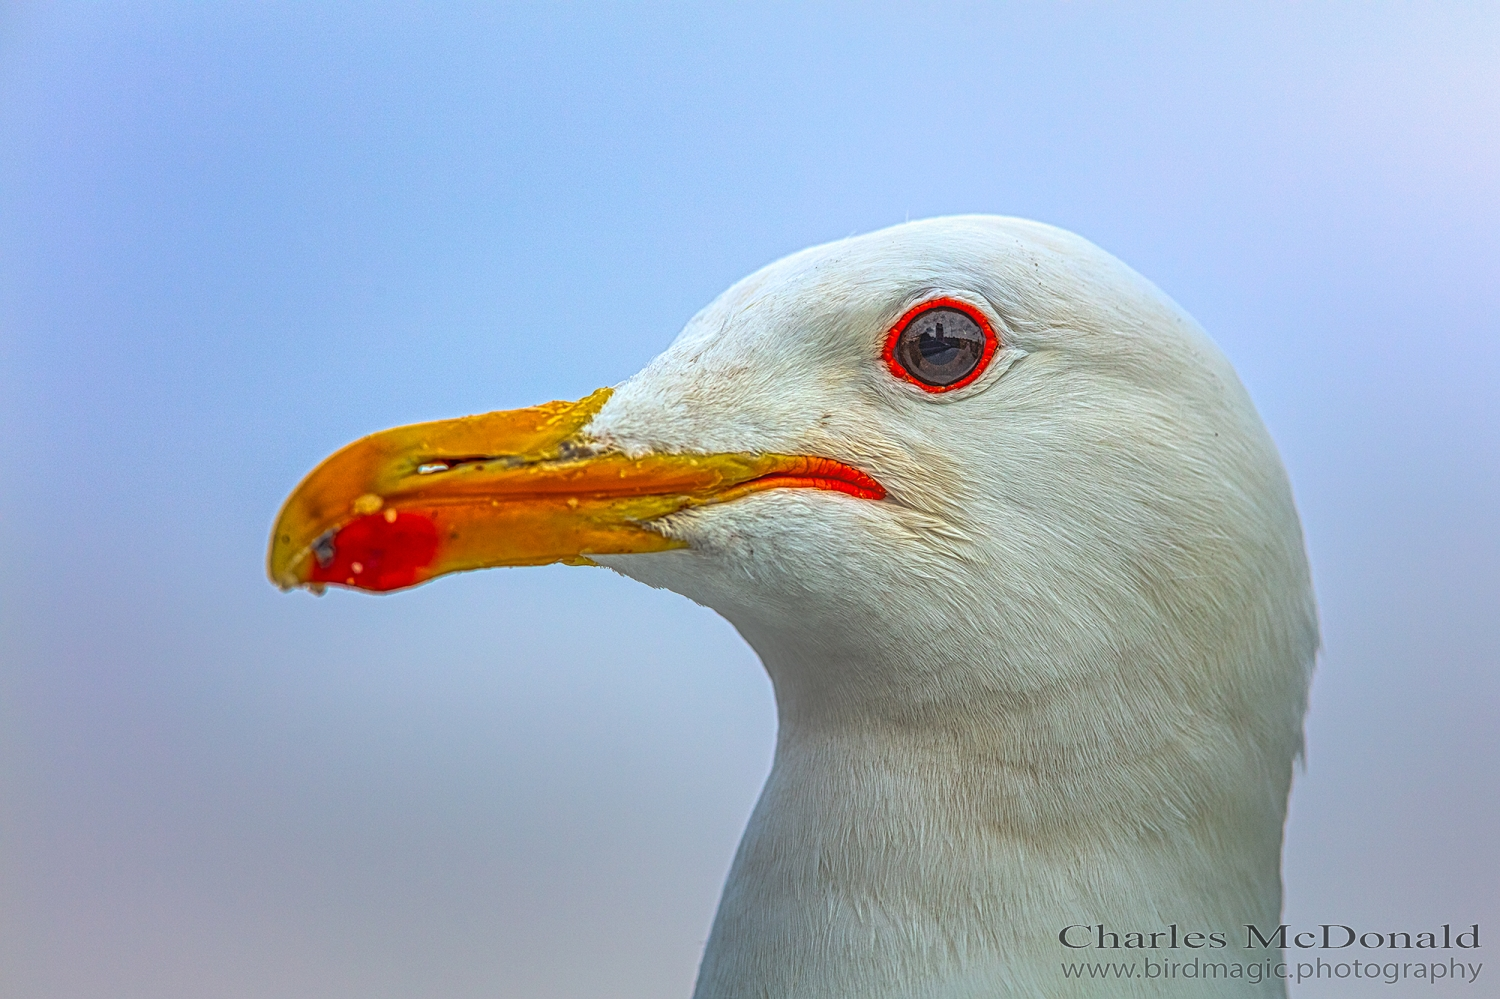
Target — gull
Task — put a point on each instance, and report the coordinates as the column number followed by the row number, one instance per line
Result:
column 1019, row 557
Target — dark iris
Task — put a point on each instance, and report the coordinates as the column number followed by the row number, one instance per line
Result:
column 940, row 346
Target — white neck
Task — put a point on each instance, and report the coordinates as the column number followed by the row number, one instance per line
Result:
column 907, row 856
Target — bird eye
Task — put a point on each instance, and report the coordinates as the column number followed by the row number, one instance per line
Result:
column 940, row 345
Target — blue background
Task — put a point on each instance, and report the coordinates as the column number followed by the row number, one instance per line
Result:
column 234, row 237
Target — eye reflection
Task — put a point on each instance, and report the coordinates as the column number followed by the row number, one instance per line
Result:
column 940, row 346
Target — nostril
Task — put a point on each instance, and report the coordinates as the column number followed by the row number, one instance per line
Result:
column 432, row 466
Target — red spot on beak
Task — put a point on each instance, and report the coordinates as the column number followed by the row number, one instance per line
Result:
column 377, row 551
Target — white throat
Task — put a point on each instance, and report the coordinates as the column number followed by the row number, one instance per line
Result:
column 941, row 853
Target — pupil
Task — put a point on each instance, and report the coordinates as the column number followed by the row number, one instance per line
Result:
column 941, row 346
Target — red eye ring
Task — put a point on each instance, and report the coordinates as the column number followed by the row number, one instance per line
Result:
column 991, row 343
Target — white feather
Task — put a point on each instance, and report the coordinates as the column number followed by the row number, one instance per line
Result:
column 1056, row 677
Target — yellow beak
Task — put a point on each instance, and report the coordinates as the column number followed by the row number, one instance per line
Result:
column 522, row 487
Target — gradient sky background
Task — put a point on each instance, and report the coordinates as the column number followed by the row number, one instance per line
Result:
column 235, row 236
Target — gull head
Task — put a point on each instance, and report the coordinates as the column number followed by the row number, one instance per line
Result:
column 1014, row 546
column 1096, row 501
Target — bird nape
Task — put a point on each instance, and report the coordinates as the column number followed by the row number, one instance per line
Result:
column 1023, row 566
